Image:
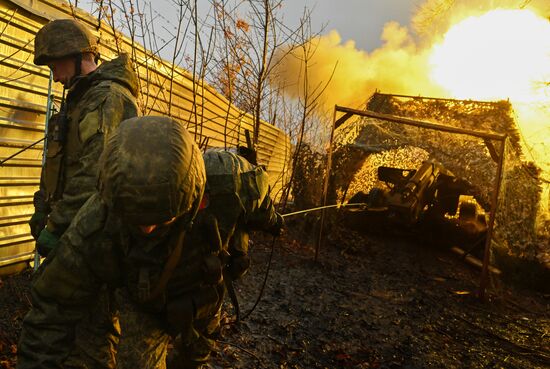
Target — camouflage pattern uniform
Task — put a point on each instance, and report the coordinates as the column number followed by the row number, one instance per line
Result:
column 216, row 249
column 139, row 185
column 95, row 104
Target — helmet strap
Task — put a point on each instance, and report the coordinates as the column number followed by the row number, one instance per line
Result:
column 77, row 68
column 77, row 65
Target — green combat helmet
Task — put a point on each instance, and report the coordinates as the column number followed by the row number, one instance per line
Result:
column 152, row 171
column 62, row 38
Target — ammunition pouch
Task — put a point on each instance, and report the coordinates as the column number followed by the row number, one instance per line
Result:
column 52, row 170
column 59, row 129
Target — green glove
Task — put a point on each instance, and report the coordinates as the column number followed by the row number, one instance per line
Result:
column 46, row 242
column 37, row 223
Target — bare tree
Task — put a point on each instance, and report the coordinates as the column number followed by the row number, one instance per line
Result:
column 226, row 66
column 253, row 36
column 237, row 47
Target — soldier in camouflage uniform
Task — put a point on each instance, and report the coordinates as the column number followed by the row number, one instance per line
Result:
column 237, row 201
column 98, row 99
column 238, row 196
column 133, row 236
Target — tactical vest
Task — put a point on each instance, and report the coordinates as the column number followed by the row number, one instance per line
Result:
column 62, row 158
column 53, row 164
column 194, row 289
column 145, row 258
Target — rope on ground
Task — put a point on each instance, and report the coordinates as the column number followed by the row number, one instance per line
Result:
column 265, row 280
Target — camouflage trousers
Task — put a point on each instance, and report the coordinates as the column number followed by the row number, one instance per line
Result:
column 117, row 334
column 147, row 338
column 97, row 336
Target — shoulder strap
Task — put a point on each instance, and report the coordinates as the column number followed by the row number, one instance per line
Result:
column 169, row 267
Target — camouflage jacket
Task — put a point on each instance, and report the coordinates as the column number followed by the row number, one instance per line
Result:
column 95, row 105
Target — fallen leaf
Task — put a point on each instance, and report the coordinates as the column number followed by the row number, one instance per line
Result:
column 461, row 292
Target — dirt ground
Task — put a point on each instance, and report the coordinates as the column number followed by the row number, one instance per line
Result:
column 369, row 302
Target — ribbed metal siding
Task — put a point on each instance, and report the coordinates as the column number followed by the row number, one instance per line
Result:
column 23, row 97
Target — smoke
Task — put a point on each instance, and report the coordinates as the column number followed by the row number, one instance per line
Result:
column 400, row 66
column 404, row 64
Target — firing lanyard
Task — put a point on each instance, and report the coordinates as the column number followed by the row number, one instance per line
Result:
column 359, row 204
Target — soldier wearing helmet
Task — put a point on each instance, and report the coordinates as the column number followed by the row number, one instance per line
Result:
column 98, row 99
column 238, row 196
column 60, row 43
column 135, row 237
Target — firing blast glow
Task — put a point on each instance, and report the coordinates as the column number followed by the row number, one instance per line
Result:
column 502, row 54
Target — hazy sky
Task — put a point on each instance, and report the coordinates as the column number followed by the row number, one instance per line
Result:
column 360, row 20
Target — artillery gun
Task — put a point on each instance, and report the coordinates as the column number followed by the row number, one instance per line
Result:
column 430, row 199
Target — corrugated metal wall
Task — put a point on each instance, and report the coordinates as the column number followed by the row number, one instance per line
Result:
column 23, row 98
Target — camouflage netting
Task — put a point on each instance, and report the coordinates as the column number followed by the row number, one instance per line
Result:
column 363, row 144
column 308, row 181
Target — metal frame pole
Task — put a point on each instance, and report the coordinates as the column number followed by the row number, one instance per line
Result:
column 325, row 187
column 494, row 206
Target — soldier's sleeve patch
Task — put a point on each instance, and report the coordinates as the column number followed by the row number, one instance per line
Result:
column 89, row 125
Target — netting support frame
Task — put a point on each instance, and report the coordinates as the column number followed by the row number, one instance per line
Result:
column 349, row 112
